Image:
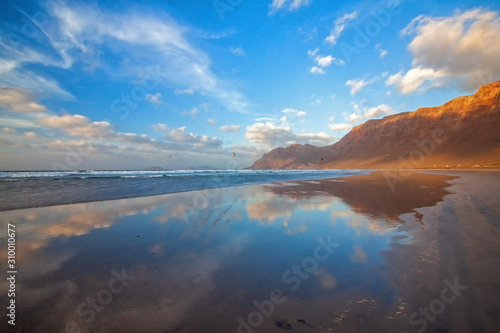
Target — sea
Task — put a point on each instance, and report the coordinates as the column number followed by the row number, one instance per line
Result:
column 27, row 189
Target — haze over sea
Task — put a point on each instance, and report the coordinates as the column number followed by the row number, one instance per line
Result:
column 24, row 189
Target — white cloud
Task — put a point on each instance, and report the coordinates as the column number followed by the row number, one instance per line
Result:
column 65, row 122
column 289, row 5
column 193, row 112
column 155, row 99
column 32, row 136
column 368, row 113
column 187, row 139
column 78, row 125
column 312, row 53
column 269, row 134
column 211, row 121
column 230, row 128
column 316, row 70
column 188, row 91
column 18, row 100
column 17, row 123
column 358, row 84
column 272, row 135
column 294, row 112
column 9, row 130
column 238, row 51
column 324, row 61
column 7, row 65
column 378, row 111
column 199, row 141
column 317, row 101
column 28, row 80
column 415, row 78
column 328, row 60
column 314, row 137
column 382, row 52
column 339, row 26
column 354, row 117
column 79, row 31
column 60, row 144
column 460, row 50
column 340, row 127
column 161, row 127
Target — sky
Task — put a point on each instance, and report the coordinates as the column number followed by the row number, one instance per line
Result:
column 178, row 84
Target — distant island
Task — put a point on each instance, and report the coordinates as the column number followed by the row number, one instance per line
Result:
column 464, row 132
column 159, row 168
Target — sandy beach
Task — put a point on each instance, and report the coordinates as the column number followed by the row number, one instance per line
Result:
column 350, row 254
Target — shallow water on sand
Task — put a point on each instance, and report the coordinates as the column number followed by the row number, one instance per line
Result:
column 236, row 259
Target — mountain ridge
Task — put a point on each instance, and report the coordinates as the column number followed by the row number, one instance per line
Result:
column 462, row 132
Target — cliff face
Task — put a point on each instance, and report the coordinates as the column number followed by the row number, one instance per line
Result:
column 464, row 131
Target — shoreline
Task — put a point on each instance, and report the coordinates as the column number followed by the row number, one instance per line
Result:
column 48, row 192
column 361, row 172
column 397, row 250
column 455, row 241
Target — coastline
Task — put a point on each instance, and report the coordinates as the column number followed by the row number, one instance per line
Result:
column 453, row 243
column 45, row 191
column 457, row 240
column 201, row 259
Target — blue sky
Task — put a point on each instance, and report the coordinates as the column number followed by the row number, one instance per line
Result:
column 127, row 85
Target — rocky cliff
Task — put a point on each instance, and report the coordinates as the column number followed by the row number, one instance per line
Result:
column 463, row 132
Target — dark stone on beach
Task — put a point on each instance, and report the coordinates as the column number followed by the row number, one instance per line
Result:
column 285, row 326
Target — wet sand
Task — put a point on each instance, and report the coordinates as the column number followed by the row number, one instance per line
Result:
column 457, row 240
column 351, row 254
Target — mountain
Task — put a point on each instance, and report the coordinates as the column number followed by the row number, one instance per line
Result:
column 463, row 132
column 156, row 168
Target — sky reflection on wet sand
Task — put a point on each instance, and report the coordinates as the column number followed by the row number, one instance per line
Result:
column 199, row 259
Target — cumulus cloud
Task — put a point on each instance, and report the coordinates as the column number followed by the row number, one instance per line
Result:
column 415, row 78
column 323, row 61
column 366, row 113
column 317, row 101
column 340, row 127
column 289, row 5
column 358, row 84
column 155, row 99
column 18, row 100
column 32, row 136
column 382, row 52
column 188, row 91
column 238, row 51
column 314, row 137
column 326, row 61
column 9, row 130
column 78, row 125
column 294, row 112
column 193, row 112
column 312, row 53
column 378, row 111
column 317, row 70
column 272, row 135
column 339, row 26
column 458, row 50
column 354, row 117
column 179, row 135
column 211, row 121
column 230, row 128
column 269, row 134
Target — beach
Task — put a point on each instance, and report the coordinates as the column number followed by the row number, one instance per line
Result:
column 388, row 251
